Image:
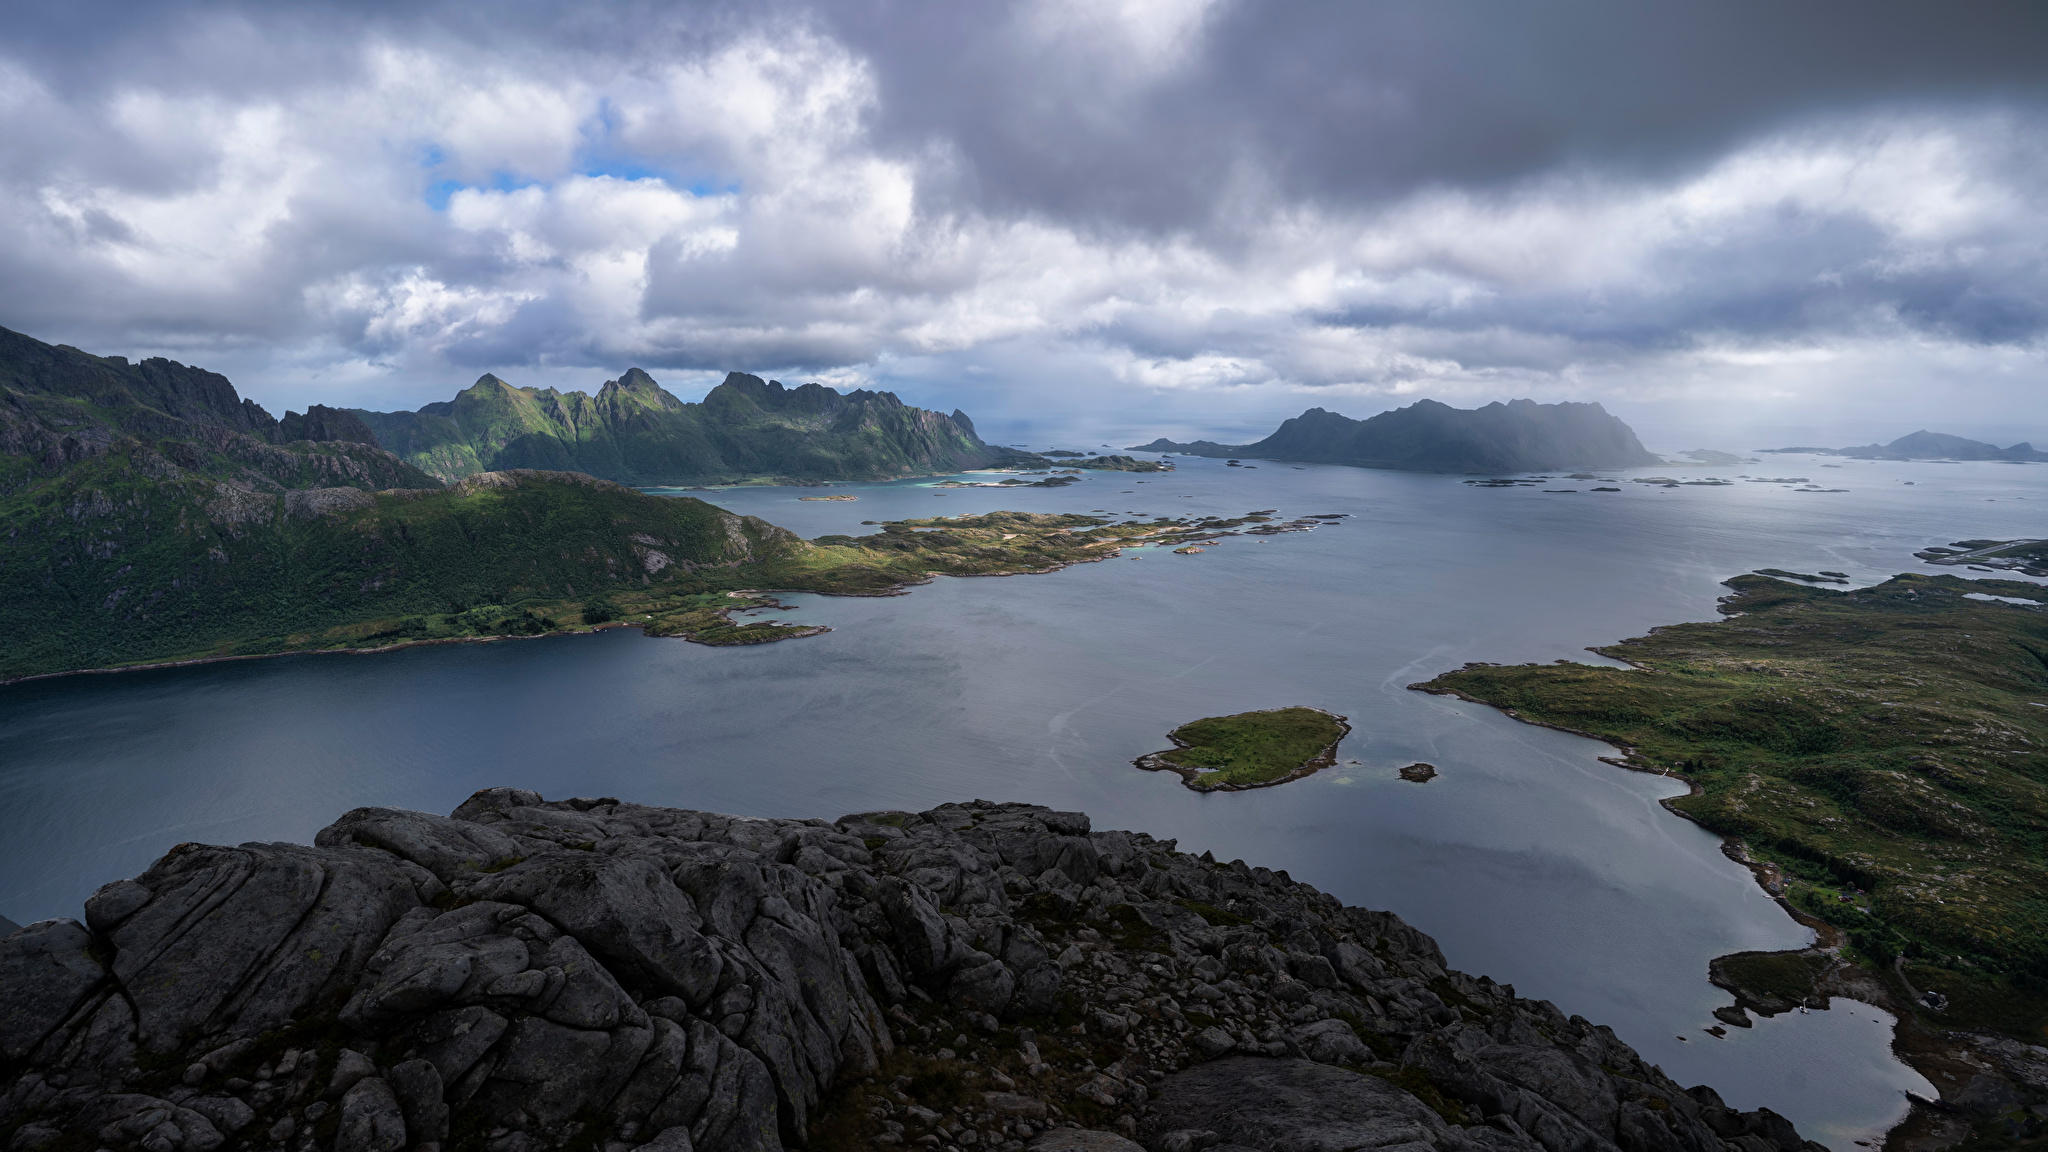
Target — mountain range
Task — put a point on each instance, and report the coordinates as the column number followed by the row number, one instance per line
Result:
column 1427, row 436
column 152, row 514
column 633, row 431
column 1924, row 445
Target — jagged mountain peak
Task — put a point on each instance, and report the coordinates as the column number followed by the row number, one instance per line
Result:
column 775, row 396
column 636, row 432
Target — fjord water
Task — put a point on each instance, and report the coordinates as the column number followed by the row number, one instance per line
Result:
column 1527, row 858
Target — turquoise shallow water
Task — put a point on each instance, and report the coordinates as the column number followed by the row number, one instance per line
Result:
column 1528, row 858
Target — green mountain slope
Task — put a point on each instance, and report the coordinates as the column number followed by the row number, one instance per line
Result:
column 112, row 564
column 150, row 513
column 634, row 432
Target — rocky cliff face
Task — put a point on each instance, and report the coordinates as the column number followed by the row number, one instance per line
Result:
column 156, row 396
column 321, row 423
column 61, row 408
column 589, row 974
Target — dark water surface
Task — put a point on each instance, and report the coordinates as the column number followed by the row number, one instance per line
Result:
column 1528, row 859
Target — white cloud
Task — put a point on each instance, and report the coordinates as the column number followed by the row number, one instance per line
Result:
column 436, row 207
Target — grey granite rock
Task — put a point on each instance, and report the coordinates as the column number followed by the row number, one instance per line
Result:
column 533, row 976
column 1298, row 1106
column 1083, row 1140
column 371, row 1120
column 47, row 968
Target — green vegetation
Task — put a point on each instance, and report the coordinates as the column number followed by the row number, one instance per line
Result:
column 105, row 566
column 1882, row 753
column 1251, row 749
column 108, row 565
column 634, row 432
column 1771, row 982
column 152, row 515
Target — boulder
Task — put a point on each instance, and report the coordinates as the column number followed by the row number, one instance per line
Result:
column 47, row 969
column 1297, row 1106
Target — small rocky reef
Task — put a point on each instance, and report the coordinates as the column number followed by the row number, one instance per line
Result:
column 589, row 974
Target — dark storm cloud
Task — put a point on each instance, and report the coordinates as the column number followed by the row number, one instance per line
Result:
column 1571, row 198
column 1346, row 100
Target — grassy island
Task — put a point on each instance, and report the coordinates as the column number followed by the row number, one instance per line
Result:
column 1251, row 749
column 1879, row 755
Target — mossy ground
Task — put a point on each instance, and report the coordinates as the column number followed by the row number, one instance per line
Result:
column 1883, row 750
column 1252, row 748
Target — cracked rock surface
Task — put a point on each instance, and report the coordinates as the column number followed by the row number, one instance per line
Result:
column 526, row 976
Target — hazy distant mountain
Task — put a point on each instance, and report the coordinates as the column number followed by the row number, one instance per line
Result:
column 1519, row 436
column 634, row 432
column 1926, row 445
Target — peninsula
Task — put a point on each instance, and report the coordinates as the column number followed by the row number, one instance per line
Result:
column 552, row 976
column 1879, row 757
column 1519, row 436
column 1924, row 445
column 1251, row 749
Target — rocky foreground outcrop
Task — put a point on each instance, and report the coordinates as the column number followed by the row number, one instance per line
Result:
column 589, row 974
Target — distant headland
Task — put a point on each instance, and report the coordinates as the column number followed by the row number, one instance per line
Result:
column 1427, row 436
column 1924, row 445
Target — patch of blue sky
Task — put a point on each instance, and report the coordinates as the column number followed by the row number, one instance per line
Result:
column 640, row 168
column 600, row 156
column 439, row 192
column 603, row 155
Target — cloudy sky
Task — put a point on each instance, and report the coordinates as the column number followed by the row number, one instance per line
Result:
column 1744, row 219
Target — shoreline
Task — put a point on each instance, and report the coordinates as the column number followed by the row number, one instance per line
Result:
column 1927, row 1125
column 796, row 632
column 1327, row 758
column 190, row 662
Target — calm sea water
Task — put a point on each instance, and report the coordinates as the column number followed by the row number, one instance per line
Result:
column 1528, row 859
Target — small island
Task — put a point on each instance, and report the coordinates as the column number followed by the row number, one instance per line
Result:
column 1251, row 749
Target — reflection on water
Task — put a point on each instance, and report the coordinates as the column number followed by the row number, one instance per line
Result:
column 1527, row 858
